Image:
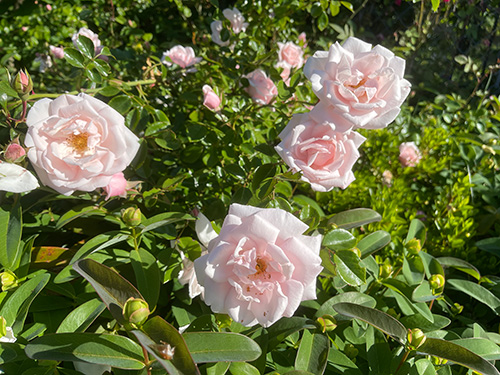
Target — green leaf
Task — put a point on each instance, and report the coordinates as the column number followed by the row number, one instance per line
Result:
column 82, row 317
column 418, row 321
column 458, row 354
column 313, row 352
column 102, row 349
column 156, row 127
column 85, row 46
column 10, row 237
column 164, row 219
column 5, row 88
column 435, row 5
column 483, row 347
column 285, row 327
column 339, row 239
column 423, row 367
column 477, row 292
column 243, row 368
column 417, row 230
column 221, row 347
column 348, row 268
column 121, row 103
column 74, row 57
column 373, row 242
column 461, row 265
column 8, row 352
column 491, row 245
column 76, row 213
column 413, row 270
column 15, row 308
column 261, row 173
column 109, row 91
column 113, row 289
column 342, row 363
column 354, row 218
column 431, row 265
column 160, row 333
column 351, row 297
column 423, row 293
column 323, row 21
column 147, row 274
column 283, row 91
column 376, row 318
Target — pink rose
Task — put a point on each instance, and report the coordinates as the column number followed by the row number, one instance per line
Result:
column 117, row 186
column 182, row 56
column 237, row 20
column 290, row 56
column 78, row 142
column 58, row 52
column 409, row 154
column 210, row 99
column 260, row 266
column 89, row 34
column 365, row 86
column 216, row 27
column 262, row 89
column 324, row 155
column 302, row 39
column 16, row 179
column 14, row 152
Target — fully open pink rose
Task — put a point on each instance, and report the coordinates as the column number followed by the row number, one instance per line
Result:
column 409, row 154
column 216, row 27
column 237, row 20
column 290, row 55
column 260, row 266
column 182, row 56
column 262, row 89
column 78, row 142
column 324, row 155
column 117, row 186
column 364, row 85
column 210, row 99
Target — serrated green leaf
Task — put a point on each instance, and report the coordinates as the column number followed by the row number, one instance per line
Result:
column 121, row 103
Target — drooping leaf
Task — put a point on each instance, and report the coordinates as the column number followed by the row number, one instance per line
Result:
column 458, row 354
column 477, row 292
column 103, row 349
column 82, row 317
column 373, row 242
column 313, row 351
column 355, row 218
column 113, row 289
column 376, row 318
column 483, row 347
column 461, row 265
column 79, row 212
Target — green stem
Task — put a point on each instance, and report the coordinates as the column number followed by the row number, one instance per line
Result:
column 405, row 356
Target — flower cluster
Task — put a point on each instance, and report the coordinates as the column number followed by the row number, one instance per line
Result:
column 359, row 87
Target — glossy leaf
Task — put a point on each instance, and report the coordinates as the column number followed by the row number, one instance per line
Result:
column 82, row 317
column 461, row 265
column 313, row 352
column 480, row 346
column 76, row 213
column 113, row 289
column 373, row 242
column 285, row 327
column 10, row 237
column 339, row 239
column 164, row 219
column 351, row 297
column 243, row 368
column 355, row 218
column 376, row 318
column 477, row 292
column 85, row 45
column 147, row 274
column 74, row 57
column 458, row 354
column 418, row 231
column 221, row 347
column 348, row 267
column 104, row 349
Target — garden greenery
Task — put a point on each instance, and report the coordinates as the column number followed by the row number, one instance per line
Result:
column 234, row 187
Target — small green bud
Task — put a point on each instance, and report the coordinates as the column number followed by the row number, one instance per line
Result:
column 456, row 308
column 415, row 338
column 351, row 351
column 22, row 84
column 413, row 246
column 8, row 280
column 385, row 270
column 136, row 311
column 438, row 361
column 356, row 251
column 327, row 323
column 3, row 326
column 436, row 283
column 132, row 216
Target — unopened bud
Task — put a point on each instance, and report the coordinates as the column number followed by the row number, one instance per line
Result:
column 416, row 338
column 22, row 84
column 437, row 361
column 456, row 308
column 413, row 246
column 132, row 216
column 14, row 153
column 351, row 351
column 327, row 323
column 8, row 280
column 136, row 311
column 385, row 270
column 436, row 283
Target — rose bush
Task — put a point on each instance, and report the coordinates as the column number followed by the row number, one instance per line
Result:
column 260, row 267
column 364, row 85
column 324, row 155
column 78, row 142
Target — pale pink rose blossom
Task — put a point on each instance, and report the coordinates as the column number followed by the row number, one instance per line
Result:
column 14, row 152
column 364, row 85
column 78, row 142
column 58, row 52
column 409, row 154
column 290, row 55
column 216, row 27
column 210, row 99
column 16, row 179
column 324, row 155
column 49, row 7
column 262, row 89
column 89, row 34
column 182, row 56
column 24, row 28
column 237, row 20
column 260, row 266
column 303, row 39
column 117, row 186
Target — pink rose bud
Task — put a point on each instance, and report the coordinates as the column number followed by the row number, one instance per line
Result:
column 303, row 40
column 211, row 100
column 262, row 89
column 409, row 154
column 22, row 84
column 49, row 7
column 58, row 52
column 117, row 186
column 14, row 152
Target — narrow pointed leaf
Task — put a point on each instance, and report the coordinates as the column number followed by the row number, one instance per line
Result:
column 376, row 318
column 221, row 347
column 477, row 292
column 373, row 242
column 458, row 354
column 313, row 351
column 103, row 349
column 481, row 346
column 355, row 218
column 82, row 317
column 10, row 237
column 461, row 265
column 113, row 289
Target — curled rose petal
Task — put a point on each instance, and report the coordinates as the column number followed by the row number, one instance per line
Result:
column 16, row 179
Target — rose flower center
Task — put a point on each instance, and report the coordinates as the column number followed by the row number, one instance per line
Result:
column 78, row 142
